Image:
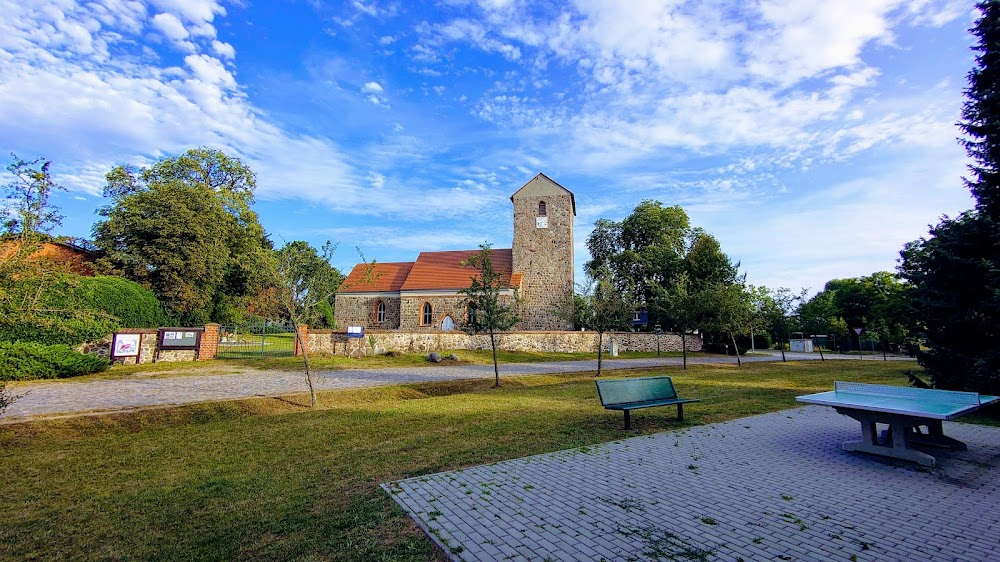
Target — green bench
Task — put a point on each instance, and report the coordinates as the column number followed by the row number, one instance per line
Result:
column 645, row 392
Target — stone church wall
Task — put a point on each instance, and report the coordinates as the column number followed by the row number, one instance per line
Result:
column 359, row 310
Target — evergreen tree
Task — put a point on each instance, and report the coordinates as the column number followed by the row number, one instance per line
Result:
column 956, row 272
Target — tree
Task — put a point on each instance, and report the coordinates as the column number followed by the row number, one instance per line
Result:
column 28, row 212
column 184, row 228
column 605, row 308
column 782, row 314
column 645, row 249
column 302, row 280
column 727, row 310
column 489, row 312
column 678, row 305
column 956, row 289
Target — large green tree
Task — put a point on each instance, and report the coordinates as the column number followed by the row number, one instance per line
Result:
column 955, row 272
column 184, row 227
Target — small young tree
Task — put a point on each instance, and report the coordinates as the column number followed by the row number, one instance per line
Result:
column 489, row 312
column 28, row 211
column 605, row 308
column 781, row 314
column 728, row 310
column 302, row 279
column 678, row 304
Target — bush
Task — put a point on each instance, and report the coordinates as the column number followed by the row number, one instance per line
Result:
column 73, row 309
column 52, row 329
column 133, row 305
column 26, row 361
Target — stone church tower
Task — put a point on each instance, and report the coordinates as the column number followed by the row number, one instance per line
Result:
column 543, row 250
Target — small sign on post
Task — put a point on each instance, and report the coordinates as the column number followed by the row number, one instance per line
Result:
column 355, row 332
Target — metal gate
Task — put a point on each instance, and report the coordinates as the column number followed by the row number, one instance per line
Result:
column 256, row 340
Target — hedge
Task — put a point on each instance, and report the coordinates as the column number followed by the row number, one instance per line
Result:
column 74, row 309
column 26, row 361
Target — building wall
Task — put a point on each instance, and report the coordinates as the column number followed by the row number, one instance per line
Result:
column 543, row 255
column 411, row 309
column 327, row 341
column 359, row 310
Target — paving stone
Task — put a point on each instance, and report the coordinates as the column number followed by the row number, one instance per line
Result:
column 638, row 499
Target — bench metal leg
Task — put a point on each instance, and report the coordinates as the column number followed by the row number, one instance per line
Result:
column 680, row 412
column 628, row 420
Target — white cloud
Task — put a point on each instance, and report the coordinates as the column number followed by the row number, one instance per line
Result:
column 224, row 50
column 372, row 88
column 170, row 27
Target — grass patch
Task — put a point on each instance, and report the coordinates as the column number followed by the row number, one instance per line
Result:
column 271, row 479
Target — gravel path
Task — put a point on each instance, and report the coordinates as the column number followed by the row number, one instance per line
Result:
column 50, row 398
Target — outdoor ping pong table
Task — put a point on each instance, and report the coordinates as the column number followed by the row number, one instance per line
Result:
column 904, row 410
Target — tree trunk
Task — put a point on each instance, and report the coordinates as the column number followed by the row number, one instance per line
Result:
column 732, row 336
column 496, row 369
column 821, row 356
column 600, row 348
column 305, row 360
column 781, row 344
column 684, row 347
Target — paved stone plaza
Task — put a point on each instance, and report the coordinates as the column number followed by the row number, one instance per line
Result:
column 770, row 487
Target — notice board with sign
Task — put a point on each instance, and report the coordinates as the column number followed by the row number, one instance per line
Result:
column 179, row 338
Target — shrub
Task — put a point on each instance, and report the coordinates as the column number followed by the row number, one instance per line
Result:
column 132, row 304
column 26, row 361
column 53, row 329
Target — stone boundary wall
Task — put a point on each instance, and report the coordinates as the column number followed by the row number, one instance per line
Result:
column 376, row 342
column 149, row 350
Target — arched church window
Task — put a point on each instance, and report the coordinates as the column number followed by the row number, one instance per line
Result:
column 380, row 312
column 541, row 208
column 427, row 315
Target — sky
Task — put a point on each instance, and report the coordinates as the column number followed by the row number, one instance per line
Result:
column 813, row 139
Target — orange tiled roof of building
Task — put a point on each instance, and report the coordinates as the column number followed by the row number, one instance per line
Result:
column 444, row 270
column 385, row 277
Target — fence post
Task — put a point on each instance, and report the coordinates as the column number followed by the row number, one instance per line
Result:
column 208, row 347
column 304, row 336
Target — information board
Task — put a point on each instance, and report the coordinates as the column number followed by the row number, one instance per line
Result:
column 355, row 331
column 125, row 345
column 179, row 338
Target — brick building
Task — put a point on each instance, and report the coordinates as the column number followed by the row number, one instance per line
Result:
column 423, row 295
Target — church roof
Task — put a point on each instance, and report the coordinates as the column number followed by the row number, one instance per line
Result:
column 444, row 270
column 539, row 182
column 431, row 271
column 376, row 277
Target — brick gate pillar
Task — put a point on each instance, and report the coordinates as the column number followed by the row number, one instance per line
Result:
column 304, row 336
column 208, row 347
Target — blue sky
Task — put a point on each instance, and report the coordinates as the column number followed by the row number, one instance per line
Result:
column 813, row 139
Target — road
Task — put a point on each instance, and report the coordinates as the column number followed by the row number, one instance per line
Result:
column 66, row 397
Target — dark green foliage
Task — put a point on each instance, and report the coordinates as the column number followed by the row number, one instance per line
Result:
column 56, row 328
column 956, row 273
column 185, row 229
column 72, row 309
column 26, row 361
column 131, row 304
column 957, row 289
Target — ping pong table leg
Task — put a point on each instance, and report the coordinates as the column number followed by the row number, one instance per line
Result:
column 935, row 437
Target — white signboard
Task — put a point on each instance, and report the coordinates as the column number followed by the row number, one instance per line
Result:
column 125, row 345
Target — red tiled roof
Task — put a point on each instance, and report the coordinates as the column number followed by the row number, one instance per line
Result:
column 383, row 277
column 444, row 270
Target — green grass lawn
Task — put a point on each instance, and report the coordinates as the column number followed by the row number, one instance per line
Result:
column 270, row 479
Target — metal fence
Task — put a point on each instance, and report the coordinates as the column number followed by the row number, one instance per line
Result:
column 259, row 340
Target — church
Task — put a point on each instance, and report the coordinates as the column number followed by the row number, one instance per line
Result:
column 422, row 295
